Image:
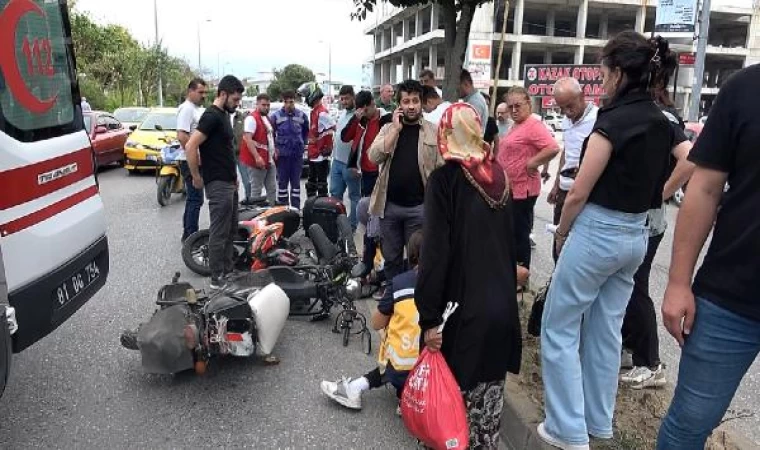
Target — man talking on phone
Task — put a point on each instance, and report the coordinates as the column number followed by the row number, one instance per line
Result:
column 407, row 152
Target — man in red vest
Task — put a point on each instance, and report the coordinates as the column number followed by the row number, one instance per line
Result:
column 321, row 134
column 257, row 150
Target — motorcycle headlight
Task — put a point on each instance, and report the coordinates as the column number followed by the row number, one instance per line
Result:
column 353, row 288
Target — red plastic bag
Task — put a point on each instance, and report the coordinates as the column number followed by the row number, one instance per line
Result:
column 432, row 405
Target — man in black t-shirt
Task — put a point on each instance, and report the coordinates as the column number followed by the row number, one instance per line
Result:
column 717, row 320
column 214, row 137
column 407, row 152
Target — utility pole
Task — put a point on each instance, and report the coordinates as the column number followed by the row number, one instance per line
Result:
column 494, row 98
column 699, row 64
column 158, row 52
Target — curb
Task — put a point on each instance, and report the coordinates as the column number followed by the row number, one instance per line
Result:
column 519, row 419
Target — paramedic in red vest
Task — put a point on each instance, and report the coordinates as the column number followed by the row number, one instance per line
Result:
column 321, row 134
column 257, row 150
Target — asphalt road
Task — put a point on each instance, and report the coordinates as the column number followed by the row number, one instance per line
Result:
column 78, row 388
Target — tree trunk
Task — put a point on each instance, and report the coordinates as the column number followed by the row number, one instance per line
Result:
column 456, row 39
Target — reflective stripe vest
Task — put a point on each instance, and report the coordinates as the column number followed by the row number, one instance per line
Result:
column 320, row 143
column 259, row 140
column 401, row 346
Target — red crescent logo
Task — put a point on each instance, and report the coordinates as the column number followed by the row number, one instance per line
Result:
column 9, row 20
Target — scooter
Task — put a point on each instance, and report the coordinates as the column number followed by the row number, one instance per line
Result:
column 191, row 327
column 168, row 174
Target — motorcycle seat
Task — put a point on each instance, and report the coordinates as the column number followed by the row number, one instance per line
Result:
column 295, row 285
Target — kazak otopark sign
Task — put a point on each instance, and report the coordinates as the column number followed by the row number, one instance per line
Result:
column 540, row 79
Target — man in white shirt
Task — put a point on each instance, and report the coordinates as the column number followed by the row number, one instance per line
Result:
column 577, row 125
column 469, row 94
column 427, row 78
column 188, row 115
column 433, row 105
column 85, row 106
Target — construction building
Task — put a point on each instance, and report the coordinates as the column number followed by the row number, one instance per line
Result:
column 407, row 40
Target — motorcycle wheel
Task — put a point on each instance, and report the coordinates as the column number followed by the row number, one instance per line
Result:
column 165, row 188
column 195, row 253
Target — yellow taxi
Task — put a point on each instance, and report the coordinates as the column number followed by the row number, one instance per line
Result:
column 143, row 147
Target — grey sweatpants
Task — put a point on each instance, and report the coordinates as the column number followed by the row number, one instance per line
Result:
column 223, row 210
column 263, row 178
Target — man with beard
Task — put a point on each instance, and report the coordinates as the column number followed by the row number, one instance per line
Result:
column 257, row 150
column 407, row 152
column 213, row 141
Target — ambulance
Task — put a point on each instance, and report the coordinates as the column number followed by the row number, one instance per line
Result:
column 53, row 244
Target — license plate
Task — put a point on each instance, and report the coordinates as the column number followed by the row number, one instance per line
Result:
column 151, row 157
column 70, row 289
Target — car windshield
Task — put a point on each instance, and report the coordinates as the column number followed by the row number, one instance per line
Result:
column 87, row 122
column 168, row 121
column 134, row 115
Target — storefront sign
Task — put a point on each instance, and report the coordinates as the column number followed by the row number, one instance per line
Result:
column 540, row 79
column 479, row 63
column 676, row 17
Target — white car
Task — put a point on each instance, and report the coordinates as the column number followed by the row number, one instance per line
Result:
column 554, row 120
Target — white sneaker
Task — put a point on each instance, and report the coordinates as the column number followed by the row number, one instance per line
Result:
column 341, row 392
column 644, row 377
column 626, row 360
column 555, row 442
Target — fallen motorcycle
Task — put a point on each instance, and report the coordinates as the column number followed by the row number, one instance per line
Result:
column 190, row 328
column 250, row 222
column 314, row 290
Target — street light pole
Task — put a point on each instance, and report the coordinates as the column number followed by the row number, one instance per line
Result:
column 329, row 68
column 699, row 64
column 200, row 66
column 160, row 81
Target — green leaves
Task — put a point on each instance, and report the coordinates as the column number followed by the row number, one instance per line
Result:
column 289, row 77
column 116, row 70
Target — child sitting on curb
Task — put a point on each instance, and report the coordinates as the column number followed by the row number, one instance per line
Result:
column 397, row 315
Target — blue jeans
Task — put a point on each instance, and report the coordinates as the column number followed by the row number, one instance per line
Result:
column 340, row 179
column 245, row 179
column 716, row 355
column 193, row 202
column 581, row 334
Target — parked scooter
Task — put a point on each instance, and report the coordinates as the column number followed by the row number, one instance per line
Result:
column 168, row 174
column 190, row 327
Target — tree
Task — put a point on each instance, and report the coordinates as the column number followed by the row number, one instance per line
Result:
column 116, row 70
column 252, row 91
column 289, row 79
column 457, row 32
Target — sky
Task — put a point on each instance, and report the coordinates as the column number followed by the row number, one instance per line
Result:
column 245, row 37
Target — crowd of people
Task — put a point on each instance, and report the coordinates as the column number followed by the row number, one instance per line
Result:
column 454, row 191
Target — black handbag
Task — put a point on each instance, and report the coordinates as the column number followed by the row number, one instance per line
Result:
column 537, row 310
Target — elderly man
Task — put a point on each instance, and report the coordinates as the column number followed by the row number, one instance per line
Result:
column 577, row 125
column 386, row 99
